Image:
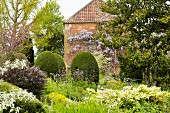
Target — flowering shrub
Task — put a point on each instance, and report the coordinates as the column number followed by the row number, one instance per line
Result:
column 10, row 65
column 110, row 83
column 32, row 79
column 18, row 100
column 89, row 41
column 85, row 41
column 133, row 99
column 104, row 63
column 12, row 57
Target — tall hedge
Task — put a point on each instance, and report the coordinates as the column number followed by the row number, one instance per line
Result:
column 84, row 66
column 47, row 62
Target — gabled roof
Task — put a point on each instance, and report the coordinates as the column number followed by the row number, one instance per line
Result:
column 89, row 14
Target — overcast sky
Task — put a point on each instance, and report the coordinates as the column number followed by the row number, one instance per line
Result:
column 69, row 7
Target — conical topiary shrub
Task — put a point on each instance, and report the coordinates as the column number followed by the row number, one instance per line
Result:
column 84, row 67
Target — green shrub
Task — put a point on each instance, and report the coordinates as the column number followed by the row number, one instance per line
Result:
column 141, row 99
column 104, row 63
column 61, row 65
column 14, row 99
column 20, row 56
column 56, row 97
column 7, row 87
column 65, row 88
column 84, row 67
column 47, row 62
column 11, row 57
column 79, row 107
column 51, row 86
column 111, row 83
column 32, row 79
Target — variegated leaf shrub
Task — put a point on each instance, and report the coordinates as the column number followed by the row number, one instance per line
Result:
column 133, row 99
column 16, row 100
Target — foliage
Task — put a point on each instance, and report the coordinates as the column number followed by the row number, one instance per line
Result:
column 55, row 97
column 133, row 99
column 85, row 41
column 10, row 65
column 142, row 28
column 20, row 20
column 104, row 63
column 19, row 56
column 7, row 87
column 61, row 65
column 128, row 99
column 89, row 41
column 17, row 18
column 47, row 62
column 110, row 82
column 12, row 56
column 49, row 34
column 80, row 107
column 50, row 86
column 66, row 88
column 27, row 50
column 84, row 67
column 32, row 79
column 16, row 100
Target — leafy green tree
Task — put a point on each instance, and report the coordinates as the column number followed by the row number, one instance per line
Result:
column 142, row 27
column 49, row 33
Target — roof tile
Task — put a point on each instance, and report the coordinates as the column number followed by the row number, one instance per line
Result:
column 90, row 13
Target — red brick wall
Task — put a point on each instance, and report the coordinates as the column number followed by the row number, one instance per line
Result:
column 72, row 30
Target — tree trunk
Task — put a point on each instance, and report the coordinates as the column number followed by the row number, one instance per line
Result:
column 147, row 75
column 154, row 76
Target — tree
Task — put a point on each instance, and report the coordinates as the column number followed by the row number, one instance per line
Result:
column 49, row 33
column 21, row 19
column 17, row 18
column 142, row 27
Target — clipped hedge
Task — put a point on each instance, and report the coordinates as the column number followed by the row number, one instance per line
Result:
column 61, row 65
column 47, row 62
column 84, row 67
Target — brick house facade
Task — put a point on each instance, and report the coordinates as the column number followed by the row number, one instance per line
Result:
column 87, row 18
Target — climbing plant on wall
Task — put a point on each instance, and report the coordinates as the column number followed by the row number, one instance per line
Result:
column 85, row 41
